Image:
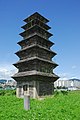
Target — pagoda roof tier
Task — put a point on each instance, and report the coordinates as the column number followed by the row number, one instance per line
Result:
column 35, row 46
column 34, row 59
column 36, row 29
column 33, row 35
column 37, row 16
column 36, row 22
column 36, row 75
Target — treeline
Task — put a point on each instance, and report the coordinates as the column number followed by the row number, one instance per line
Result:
column 7, row 92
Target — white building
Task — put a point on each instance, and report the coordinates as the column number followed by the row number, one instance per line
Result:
column 71, row 83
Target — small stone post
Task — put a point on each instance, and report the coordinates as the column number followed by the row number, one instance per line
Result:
column 27, row 102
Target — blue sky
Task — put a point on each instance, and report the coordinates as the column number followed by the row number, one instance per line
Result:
column 64, row 16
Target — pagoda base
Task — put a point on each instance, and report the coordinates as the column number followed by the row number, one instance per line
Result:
column 34, row 83
column 36, row 89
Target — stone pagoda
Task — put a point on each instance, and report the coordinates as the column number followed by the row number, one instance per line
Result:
column 35, row 68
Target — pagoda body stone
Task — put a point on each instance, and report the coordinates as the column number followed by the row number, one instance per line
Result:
column 35, row 67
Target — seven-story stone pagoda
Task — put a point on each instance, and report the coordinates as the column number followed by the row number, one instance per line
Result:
column 35, row 68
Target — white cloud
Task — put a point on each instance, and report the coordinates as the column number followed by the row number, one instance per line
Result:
column 74, row 66
column 7, row 71
column 66, row 76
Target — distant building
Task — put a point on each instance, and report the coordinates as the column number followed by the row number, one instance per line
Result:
column 12, row 83
column 7, row 84
column 71, row 84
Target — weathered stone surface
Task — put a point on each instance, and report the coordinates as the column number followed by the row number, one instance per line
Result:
column 46, row 88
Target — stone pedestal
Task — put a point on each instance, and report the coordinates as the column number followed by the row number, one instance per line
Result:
column 26, row 102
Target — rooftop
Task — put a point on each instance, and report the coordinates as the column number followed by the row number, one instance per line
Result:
column 36, row 15
column 36, row 21
column 34, row 73
column 36, row 46
column 35, row 29
column 34, row 58
column 33, row 35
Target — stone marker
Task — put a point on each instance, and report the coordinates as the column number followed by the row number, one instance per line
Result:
column 27, row 102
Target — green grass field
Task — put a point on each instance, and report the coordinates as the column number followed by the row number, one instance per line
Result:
column 58, row 107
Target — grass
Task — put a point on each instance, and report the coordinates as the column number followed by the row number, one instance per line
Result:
column 61, row 106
